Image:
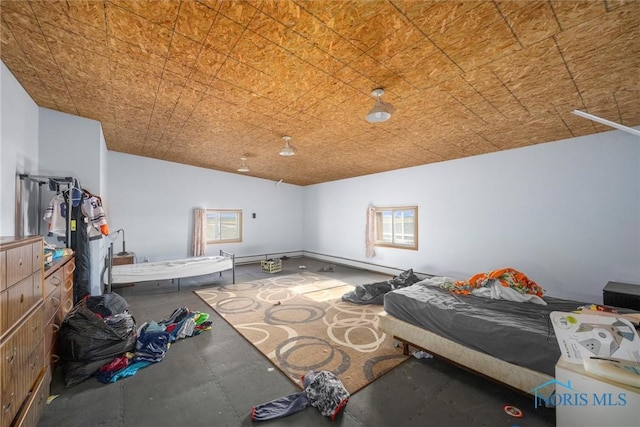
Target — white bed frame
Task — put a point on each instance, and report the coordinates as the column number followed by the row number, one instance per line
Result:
column 513, row 376
column 168, row 270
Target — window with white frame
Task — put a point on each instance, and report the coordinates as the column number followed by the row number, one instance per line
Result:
column 224, row 225
column 397, row 227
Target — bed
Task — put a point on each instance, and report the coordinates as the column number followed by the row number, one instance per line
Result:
column 511, row 342
column 175, row 269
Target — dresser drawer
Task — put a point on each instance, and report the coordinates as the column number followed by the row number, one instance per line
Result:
column 15, row 357
column 19, row 382
column 22, row 358
column 9, row 405
column 37, row 254
column 53, row 282
column 34, row 406
column 20, row 299
column 52, row 304
column 50, row 336
column 67, row 290
column 19, row 264
column 69, row 268
column 65, row 307
column 34, row 365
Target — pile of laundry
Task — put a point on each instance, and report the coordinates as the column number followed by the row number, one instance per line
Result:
column 153, row 342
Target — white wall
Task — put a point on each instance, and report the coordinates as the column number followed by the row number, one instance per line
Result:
column 71, row 146
column 153, row 201
column 567, row 214
column 18, row 144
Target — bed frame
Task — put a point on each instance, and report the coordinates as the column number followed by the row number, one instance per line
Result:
column 142, row 276
column 513, row 376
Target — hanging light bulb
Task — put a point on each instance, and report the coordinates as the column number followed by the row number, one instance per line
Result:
column 381, row 111
column 287, row 150
column 244, row 167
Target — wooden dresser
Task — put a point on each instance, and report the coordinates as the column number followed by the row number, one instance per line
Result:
column 24, row 375
column 58, row 301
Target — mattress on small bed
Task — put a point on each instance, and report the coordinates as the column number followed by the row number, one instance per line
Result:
column 172, row 269
column 519, row 333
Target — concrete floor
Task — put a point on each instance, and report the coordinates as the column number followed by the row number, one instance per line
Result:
column 215, row 378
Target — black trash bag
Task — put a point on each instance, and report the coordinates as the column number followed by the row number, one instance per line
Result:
column 373, row 293
column 107, row 305
column 87, row 340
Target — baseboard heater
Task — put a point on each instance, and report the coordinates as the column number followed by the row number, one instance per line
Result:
column 362, row 265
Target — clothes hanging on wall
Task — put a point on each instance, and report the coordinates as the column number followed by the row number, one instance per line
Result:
column 94, row 212
column 56, row 214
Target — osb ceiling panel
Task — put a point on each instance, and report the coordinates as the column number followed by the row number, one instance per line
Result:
column 207, row 82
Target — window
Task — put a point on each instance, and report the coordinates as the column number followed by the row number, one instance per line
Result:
column 224, row 226
column 397, row 227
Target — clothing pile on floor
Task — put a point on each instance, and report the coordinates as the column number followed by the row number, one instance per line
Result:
column 99, row 336
column 154, row 339
column 323, row 390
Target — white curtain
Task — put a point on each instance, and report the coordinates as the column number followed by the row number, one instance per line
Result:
column 199, row 232
column 370, row 239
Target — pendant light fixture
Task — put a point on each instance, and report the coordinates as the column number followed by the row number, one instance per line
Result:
column 287, row 150
column 381, row 111
column 244, row 168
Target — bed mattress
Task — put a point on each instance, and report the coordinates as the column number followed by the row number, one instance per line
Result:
column 172, row 269
column 519, row 333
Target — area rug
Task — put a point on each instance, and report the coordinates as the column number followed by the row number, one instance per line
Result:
column 301, row 324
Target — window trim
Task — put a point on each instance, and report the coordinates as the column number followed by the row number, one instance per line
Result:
column 378, row 227
column 240, row 226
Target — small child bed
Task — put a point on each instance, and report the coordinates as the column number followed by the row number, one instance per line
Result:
column 169, row 270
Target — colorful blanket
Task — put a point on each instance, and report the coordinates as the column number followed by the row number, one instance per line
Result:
column 507, row 277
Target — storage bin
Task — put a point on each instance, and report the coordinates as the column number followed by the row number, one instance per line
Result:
column 271, row 265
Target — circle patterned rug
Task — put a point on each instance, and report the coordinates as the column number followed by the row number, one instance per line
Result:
column 300, row 323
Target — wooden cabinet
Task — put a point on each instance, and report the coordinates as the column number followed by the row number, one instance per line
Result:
column 58, row 301
column 24, row 374
column 123, row 259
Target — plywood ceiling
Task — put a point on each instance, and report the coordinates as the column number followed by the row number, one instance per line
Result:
column 206, row 82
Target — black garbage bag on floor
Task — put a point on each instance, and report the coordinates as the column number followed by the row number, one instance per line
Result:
column 89, row 339
column 373, row 293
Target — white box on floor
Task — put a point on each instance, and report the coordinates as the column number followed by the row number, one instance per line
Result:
column 585, row 400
